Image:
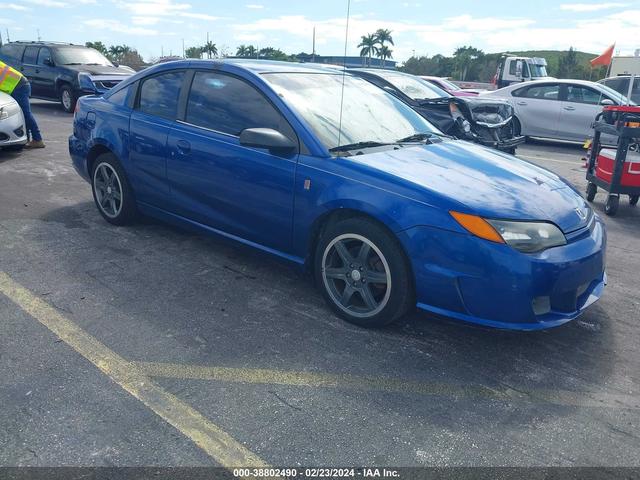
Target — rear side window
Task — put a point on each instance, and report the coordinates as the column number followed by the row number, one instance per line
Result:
column 31, row 55
column 540, row 92
column 123, row 97
column 12, row 52
column 159, row 95
column 229, row 105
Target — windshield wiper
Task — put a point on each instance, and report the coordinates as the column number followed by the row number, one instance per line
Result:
column 357, row 145
column 417, row 137
column 72, row 63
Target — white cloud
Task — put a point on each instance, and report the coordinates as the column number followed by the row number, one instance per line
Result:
column 199, row 16
column 155, row 9
column 255, row 6
column 590, row 7
column 16, row 7
column 115, row 26
column 48, row 3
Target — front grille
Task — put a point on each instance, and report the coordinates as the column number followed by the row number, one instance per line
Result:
column 3, row 137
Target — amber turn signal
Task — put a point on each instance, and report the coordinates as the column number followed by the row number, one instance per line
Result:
column 478, row 226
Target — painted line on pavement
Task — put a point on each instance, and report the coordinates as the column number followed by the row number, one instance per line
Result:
column 218, row 444
column 577, row 162
column 387, row 384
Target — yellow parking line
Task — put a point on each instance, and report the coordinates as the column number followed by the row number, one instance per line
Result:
column 223, row 448
column 386, row 384
column 577, row 162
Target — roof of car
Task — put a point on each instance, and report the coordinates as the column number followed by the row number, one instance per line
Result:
column 264, row 66
column 45, row 44
column 554, row 80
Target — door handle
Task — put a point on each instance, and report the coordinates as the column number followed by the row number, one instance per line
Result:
column 183, row 147
column 568, row 107
column 522, row 103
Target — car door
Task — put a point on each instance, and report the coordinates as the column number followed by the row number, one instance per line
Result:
column 580, row 105
column 537, row 106
column 45, row 74
column 155, row 112
column 246, row 192
column 29, row 66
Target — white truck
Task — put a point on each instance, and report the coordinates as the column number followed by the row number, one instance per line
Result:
column 513, row 69
column 625, row 66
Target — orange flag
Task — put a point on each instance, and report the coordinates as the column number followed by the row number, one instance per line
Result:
column 605, row 58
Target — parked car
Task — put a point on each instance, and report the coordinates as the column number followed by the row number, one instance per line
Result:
column 63, row 72
column 558, row 109
column 13, row 134
column 484, row 121
column 449, row 87
column 329, row 172
column 621, row 85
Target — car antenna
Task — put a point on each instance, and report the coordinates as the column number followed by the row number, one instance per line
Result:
column 344, row 71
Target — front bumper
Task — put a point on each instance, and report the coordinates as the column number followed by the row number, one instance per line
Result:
column 13, row 131
column 467, row 278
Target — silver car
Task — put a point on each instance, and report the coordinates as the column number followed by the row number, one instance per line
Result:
column 13, row 134
column 558, row 109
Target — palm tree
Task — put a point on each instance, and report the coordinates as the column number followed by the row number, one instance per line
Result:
column 369, row 46
column 115, row 51
column 384, row 52
column 252, row 52
column 210, row 48
column 383, row 36
column 241, row 51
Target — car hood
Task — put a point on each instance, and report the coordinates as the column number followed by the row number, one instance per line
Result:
column 100, row 70
column 5, row 99
column 487, row 182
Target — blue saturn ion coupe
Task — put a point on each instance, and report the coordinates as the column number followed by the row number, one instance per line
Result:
column 333, row 173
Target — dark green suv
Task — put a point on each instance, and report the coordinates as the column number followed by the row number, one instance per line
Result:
column 62, row 71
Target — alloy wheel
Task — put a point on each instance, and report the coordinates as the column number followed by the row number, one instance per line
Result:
column 66, row 99
column 108, row 190
column 356, row 275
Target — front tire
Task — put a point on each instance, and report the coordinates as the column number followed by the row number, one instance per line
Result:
column 68, row 99
column 363, row 273
column 592, row 189
column 611, row 207
column 111, row 191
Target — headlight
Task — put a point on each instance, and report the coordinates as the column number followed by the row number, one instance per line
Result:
column 526, row 237
column 85, row 81
column 529, row 237
column 455, row 111
column 9, row 110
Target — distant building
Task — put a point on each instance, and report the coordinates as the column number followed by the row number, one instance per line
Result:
column 348, row 61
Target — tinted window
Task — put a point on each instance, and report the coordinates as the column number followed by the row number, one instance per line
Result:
column 229, row 105
column 159, row 95
column 580, row 94
column 541, row 92
column 30, row 55
column 43, row 55
column 121, row 97
column 12, row 52
column 512, row 67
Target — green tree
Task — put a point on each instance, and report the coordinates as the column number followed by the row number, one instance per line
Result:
column 193, row 52
column 246, row 51
column 210, row 49
column 369, row 47
column 464, row 58
column 99, row 46
column 383, row 36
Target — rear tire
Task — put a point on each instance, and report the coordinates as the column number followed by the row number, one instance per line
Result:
column 68, row 99
column 592, row 189
column 611, row 207
column 363, row 273
column 111, row 190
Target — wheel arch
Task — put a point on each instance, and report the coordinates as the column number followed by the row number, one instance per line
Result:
column 331, row 217
column 94, row 152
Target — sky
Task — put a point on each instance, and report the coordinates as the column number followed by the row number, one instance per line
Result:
column 419, row 27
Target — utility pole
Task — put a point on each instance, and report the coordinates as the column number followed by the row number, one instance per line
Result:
column 313, row 50
column 183, row 48
column 161, row 51
column 8, row 39
column 38, row 30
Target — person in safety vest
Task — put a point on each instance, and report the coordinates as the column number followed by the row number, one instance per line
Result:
column 17, row 85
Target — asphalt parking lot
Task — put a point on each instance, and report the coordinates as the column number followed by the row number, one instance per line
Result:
column 148, row 345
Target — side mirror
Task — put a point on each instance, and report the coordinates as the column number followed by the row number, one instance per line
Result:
column 267, row 138
column 606, row 102
column 48, row 62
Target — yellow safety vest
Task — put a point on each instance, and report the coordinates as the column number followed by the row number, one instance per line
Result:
column 9, row 78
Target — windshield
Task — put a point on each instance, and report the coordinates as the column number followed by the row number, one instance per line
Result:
column 450, row 85
column 617, row 96
column 80, row 56
column 413, row 87
column 538, row 70
column 369, row 113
